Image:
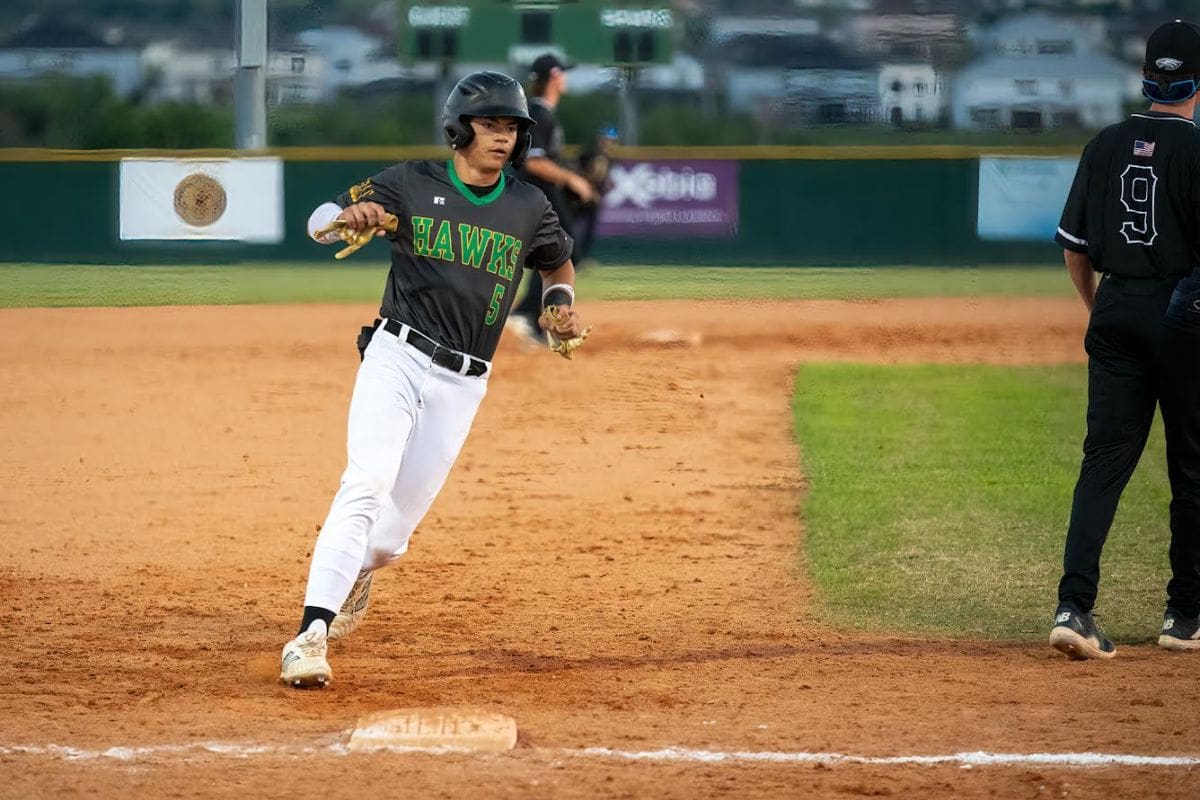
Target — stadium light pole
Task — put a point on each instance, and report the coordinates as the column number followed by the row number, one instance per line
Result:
column 250, row 79
column 628, row 105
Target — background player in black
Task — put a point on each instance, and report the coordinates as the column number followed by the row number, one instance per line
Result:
column 466, row 231
column 543, row 168
column 1133, row 215
column 595, row 164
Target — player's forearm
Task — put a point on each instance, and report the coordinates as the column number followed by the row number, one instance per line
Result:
column 547, row 171
column 557, row 279
column 321, row 216
column 1079, row 267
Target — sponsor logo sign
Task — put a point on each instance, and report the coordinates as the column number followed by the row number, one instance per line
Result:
column 669, row 198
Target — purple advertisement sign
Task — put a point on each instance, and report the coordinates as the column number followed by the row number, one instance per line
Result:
column 671, row 199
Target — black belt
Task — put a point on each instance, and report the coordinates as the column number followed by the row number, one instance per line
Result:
column 442, row 356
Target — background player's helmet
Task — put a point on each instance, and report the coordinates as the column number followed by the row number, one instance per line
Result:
column 486, row 94
column 1172, row 69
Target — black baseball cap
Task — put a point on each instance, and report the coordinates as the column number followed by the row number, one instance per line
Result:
column 542, row 66
column 1174, row 49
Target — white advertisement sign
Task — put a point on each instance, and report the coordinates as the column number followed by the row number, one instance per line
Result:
column 1021, row 199
column 238, row 199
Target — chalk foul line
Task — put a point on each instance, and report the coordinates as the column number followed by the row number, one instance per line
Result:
column 977, row 758
column 671, row 754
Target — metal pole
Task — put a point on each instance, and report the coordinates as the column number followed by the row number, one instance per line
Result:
column 250, row 80
column 629, row 117
column 440, row 92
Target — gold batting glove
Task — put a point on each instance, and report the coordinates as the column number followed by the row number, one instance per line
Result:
column 356, row 239
column 558, row 323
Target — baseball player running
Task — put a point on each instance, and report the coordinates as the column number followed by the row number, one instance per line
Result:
column 459, row 230
column 1133, row 214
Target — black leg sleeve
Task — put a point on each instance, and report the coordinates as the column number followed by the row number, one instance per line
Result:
column 1180, row 380
column 1121, row 401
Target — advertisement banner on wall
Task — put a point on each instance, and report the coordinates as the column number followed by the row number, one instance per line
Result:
column 1021, row 199
column 671, row 199
column 215, row 199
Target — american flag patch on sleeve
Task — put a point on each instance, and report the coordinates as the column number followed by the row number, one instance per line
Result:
column 1143, row 149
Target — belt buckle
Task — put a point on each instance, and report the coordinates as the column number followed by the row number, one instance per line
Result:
column 444, row 357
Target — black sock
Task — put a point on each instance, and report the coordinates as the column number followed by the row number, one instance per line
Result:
column 312, row 613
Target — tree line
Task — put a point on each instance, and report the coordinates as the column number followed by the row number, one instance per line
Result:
column 84, row 113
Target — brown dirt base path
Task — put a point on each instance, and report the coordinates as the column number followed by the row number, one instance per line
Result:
column 616, row 562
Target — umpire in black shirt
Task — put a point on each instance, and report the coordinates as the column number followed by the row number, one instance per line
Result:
column 543, row 168
column 1133, row 216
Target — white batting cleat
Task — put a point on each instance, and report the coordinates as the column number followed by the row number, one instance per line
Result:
column 529, row 336
column 354, row 609
column 304, row 662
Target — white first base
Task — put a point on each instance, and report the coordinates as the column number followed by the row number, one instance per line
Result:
column 435, row 729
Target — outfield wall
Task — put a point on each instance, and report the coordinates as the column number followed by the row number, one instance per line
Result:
column 795, row 206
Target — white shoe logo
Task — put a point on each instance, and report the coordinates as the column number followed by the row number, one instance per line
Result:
column 1168, row 623
column 1063, row 617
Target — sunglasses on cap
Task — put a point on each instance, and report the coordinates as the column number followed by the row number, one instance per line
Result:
column 1176, row 91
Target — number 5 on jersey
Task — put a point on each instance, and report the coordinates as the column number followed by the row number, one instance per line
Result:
column 1137, row 196
column 494, row 305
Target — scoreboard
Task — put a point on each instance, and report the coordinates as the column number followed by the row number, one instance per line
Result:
column 610, row 32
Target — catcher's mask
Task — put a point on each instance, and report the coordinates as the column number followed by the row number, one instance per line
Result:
column 487, row 94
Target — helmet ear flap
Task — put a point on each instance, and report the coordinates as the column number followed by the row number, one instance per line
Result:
column 458, row 133
column 521, row 149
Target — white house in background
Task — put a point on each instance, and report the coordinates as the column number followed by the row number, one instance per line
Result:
column 352, row 58
column 1041, row 71
column 1042, row 92
column 295, row 75
column 912, row 93
column 204, row 75
column 1040, row 34
column 49, row 47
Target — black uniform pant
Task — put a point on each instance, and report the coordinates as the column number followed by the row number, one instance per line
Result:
column 586, row 218
column 530, row 305
column 1134, row 363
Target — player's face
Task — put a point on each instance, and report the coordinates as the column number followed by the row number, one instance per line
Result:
column 495, row 138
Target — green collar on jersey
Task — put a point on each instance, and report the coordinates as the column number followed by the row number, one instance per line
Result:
column 466, row 192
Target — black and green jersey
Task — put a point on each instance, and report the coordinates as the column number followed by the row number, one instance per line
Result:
column 546, row 140
column 457, row 257
column 1134, row 206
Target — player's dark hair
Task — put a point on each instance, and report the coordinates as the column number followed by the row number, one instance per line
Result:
column 537, row 87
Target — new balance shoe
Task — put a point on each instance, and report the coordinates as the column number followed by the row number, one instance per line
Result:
column 1077, row 636
column 354, row 609
column 304, row 663
column 1179, row 632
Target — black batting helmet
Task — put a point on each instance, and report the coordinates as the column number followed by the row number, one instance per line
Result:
column 486, row 94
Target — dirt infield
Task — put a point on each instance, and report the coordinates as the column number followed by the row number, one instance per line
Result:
column 616, row 562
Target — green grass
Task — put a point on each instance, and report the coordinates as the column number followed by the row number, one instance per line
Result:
column 26, row 285
column 939, row 500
